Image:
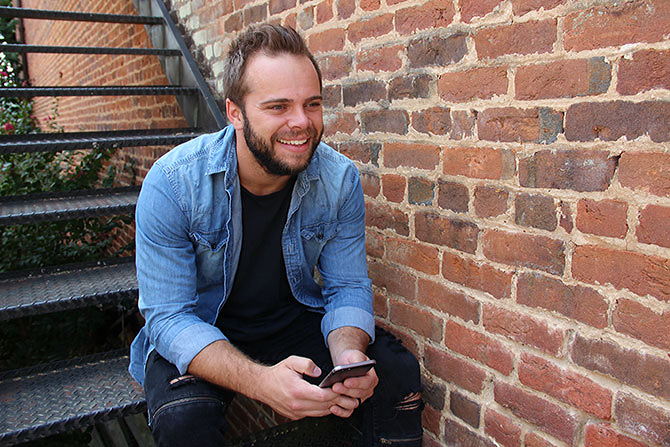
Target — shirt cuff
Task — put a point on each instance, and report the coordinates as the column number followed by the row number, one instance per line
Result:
column 348, row 316
column 189, row 342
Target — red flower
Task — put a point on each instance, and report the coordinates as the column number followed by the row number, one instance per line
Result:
column 9, row 127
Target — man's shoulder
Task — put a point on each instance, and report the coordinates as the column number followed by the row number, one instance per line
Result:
column 202, row 153
column 332, row 162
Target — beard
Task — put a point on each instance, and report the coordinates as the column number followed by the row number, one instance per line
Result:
column 266, row 155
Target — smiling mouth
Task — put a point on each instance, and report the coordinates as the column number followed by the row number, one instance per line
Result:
column 293, row 142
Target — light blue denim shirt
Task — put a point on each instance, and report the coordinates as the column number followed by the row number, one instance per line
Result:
column 188, row 236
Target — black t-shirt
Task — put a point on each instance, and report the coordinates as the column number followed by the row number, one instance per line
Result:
column 261, row 302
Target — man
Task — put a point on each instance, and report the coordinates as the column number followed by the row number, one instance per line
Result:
column 231, row 228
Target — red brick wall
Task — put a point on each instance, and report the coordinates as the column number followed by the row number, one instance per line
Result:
column 515, row 157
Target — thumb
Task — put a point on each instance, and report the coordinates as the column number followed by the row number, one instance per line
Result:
column 303, row 365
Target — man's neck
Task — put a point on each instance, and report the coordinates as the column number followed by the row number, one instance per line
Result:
column 254, row 178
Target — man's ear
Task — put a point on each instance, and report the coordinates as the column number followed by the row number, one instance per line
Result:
column 234, row 114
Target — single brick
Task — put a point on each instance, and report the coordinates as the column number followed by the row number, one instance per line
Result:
column 579, row 170
column 523, row 329
column 604, row 217
column 412, row 155
column 365, row 152
column 436, row 121
column 395, row 280
column 433, row 14
column 646, row 421
column 345, row 8
column 616, row 24
column 476, row 83
column 535, row 211
column 525, row 250
column 452, row 369
column 475, row 162
column 374, row 27
column 646, row 372
column 519, row 38
column 508, row 124
column 277, row 6
column 437, row 50
column 439, row 230
column 648, row 172
column 637, row 320
column 639, row 273
column 420, row 191
column 477, row 276
column 379, row 59
column 371, row 184
column 329, row 40
column 441, row 298
column 502, row 429
column 458, row 435
column 476, row 8
column 563, row 79
column 391, row 121
column 453, row 196
column 423, row 323
column 465, row 409
column 463, row 124
column 490, row 201
column 394, row 187
column 362, row 92
column 644, row 70
column 336, row 122
column 384, row 217
column 479, row 347
column 604, row 435
column 409, row 86
column 654, row 225
column 335, row 66
column 414, row 255
column 575, row 302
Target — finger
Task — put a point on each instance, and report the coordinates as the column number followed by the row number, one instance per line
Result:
column 340, row 412
column 303, row 365
column 348, row 403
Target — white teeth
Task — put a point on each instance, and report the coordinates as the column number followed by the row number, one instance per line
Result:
column 293, row 142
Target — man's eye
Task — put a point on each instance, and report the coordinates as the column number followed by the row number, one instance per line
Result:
column 314, row 105
column 278, row 107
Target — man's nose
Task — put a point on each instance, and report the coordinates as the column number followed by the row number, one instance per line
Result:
column 298, row 119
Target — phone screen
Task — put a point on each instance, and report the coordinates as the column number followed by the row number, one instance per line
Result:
column 342, row 372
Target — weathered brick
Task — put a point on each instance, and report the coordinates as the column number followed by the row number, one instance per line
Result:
column 370, row 5
column 443, row 299
column 616, row 24
column 535, row 211
column 455, row 370
column 437, row 50
column 646, row 372
column 639, row 321
column 475, row 162
column 394, row 187
column 479, row 347
column 255, row 14
column 565, row 385
column 565, row 220
column 548, row 416
column 334, row 66
column 455, row 233
column 523, row 329
column 534, row 440
column 641, row 419
column 465, row 409
column 336, row 122
column 646, row 171
column 644, row 70
column 458, row 435
column 463, row 124
column 233, row 23
column 345, row 8
column 362, row 92
column 604, row 217
column 604, row 435
column 477, row 276
column 476, row 83
column 563, row 79
column 434, row 394
column 379, row 59
column 525, row 250
column 277, row 6
column 654, row 228
column 324, row 11
column 374, row 244
column 609, row 121
column 579, row 170
column 435, row 120
column 332, row 96
column 396, row 281
column 453, row 196
column 374, row 27
column 502, row 429
column 477, row 8
column 414, row 255
column 519, row 38
column 420, row 321
column 536, row 125
column 384, row 217
column 521, row 7
column 329, row 40
column 365, row 152
column 433, row 14
column 409, row 86
column 391, row 121
column 639, row 273
column 575, row 302
column 490, row 201
column 420, row 156
column 420, row 191
column 370, row 183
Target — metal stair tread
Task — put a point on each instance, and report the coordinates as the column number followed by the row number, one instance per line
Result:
column 23, row 48
column 28, row 13
column 68, row 288
column 86, row 140
column 103, row 90
column 67, row 205
column 63, row 396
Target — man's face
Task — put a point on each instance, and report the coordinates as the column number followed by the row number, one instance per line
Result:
column 282, row 117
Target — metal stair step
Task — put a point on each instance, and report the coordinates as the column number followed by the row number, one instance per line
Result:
column 68, row 287
column 27, row 13
column 23, row 48
column 63, row 396
column 30, row 92
column 50, row 142
column 34, row 208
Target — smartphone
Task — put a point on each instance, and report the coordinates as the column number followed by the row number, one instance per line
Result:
column 342, row 372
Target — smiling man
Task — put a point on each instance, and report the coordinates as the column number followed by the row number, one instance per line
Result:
column 231, row 229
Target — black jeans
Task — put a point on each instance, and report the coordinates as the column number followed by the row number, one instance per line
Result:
column 185, row 410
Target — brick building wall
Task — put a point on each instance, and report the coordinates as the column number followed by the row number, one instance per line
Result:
column 515, row 158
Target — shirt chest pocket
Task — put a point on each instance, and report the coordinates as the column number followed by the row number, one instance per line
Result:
column 315, row 237
column 209, row 255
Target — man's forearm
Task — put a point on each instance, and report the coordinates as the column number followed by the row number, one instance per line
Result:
column 346, row 338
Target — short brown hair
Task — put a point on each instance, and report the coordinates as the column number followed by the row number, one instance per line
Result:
column 269, row 39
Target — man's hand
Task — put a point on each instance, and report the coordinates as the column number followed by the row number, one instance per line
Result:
column 282, row 387
column 356, row 387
